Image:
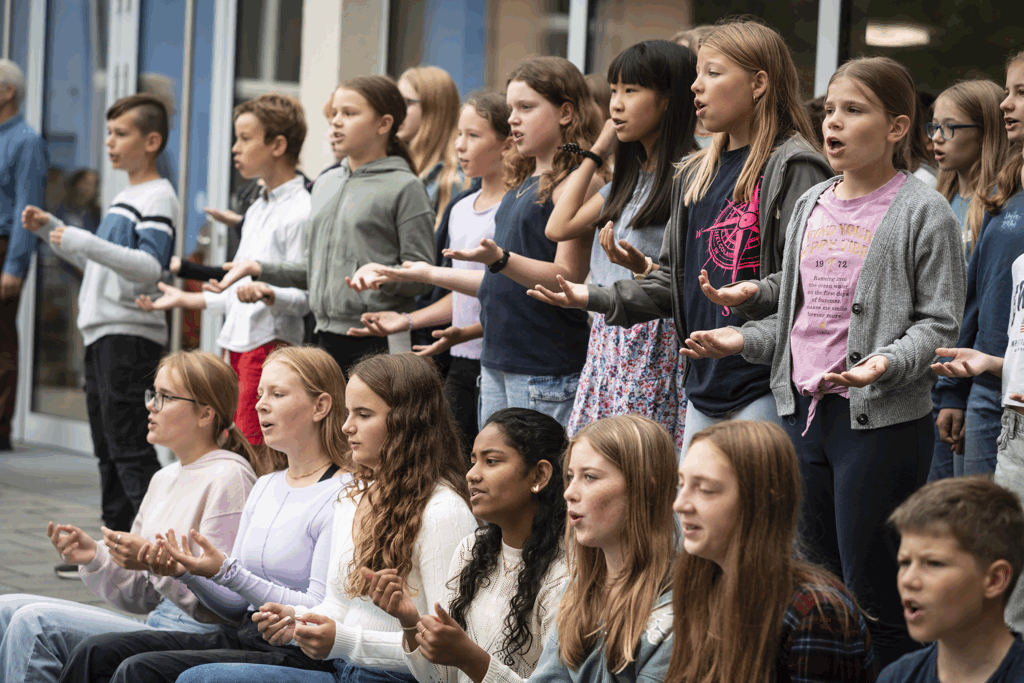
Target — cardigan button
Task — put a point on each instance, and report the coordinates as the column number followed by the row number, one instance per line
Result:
column 855, row 357
column 857, row 309
column 862, row 419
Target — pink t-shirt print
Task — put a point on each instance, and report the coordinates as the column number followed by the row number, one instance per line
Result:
column 836, row 240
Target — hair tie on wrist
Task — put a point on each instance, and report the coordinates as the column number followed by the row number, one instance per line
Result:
column 409, row 318
column 573, row 148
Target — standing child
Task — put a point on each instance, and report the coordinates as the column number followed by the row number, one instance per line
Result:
column 371, row 209
column 730, row 204
column 873, row 278
column 269, row 132
column 747, row 609
column 971, row 409
column 123, row 260
column 960, row 557
column 633, row 369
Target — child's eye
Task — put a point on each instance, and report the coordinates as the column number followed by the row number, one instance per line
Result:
column 936, row 563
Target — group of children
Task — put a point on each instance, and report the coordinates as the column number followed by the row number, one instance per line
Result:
column 767, row 317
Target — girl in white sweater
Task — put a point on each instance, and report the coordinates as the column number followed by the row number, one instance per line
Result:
column 407, row 509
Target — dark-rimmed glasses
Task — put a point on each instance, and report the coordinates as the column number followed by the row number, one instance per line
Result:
column 157, row 398
column 947, row 129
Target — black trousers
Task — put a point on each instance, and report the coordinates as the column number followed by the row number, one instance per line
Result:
column 157, row 656
column 8, row 354
column 118, row 370
column 347, row 351
column 463, row 389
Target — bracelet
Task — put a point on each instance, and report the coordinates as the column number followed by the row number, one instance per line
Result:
column 409, row 629
column 647, row 271
column 572, row 148
column 409, row 318
column 500, row 263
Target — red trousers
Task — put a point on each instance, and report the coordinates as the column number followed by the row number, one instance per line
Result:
column 249, row 366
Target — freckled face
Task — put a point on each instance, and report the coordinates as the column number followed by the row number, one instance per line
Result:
column 596, row 496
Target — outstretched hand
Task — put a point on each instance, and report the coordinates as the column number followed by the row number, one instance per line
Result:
column 861, row 375
column 206, row 565
column 730, row 295
column 74, row 545
column 370, row 276
column 380, row 324
column 962, row 363
column 251, row 292
column 446, row 339
column 172, row 297
column 487, row 253
column 718, row 343
column 571, row 295
column 236, row 271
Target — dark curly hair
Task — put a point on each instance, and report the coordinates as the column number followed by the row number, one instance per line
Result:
column 535, row 436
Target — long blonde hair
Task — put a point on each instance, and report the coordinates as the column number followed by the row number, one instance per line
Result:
column 211, row 382
column 646, row 455
column 727, row 621
column 558, row 81
column 1008, row 183
column 435, row 139
column 778, row 112
column 979, row 101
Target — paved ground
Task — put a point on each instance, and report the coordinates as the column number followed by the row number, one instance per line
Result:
column 37, row 486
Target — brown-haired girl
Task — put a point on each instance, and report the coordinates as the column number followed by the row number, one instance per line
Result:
column 873, row 281
column 190, row 409
column 432, row 114
column 745, row 608
column 372, row 208
column 615, row 618
column 730, row 205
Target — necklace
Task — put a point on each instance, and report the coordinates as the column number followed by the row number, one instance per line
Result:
column 504, row 562
column 524, row 188
column 300, row 476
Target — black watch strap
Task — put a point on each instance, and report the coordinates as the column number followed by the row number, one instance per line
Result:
column 500, row 263
column 573, row 148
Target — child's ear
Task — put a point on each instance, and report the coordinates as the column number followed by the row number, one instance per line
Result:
column 760, row 85
column 153, row 142
column 279, row 146
column 898, row 129
column 541, row 476
column 322, row 406
column 565, row 113
column 386, row 123
column 997, row 579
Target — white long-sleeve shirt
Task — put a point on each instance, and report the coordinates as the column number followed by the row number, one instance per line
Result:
column 274, row 230
column 485, row 618
column 365, row 635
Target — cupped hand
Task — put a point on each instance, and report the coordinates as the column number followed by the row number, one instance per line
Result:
column 172, row 297
column 276, row 622
column 251, row 292
column 718, row 343
column 442, row 641
column 367, row 277
column 571, row 295
column 160, row 561
column 124, row 548
column 34, row 218
column 487, row 253
column 730, row 295
column 962, row 363
column 621, row 252
column 446, row 339
column 206, row 565
column 225, row 216
column 74, row 545
column 409, row 271
column 236, row 271
column 380, row 324
column 861, row 375
column 387, row 590
column 315, row 634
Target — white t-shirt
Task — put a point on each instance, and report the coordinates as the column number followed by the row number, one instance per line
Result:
column 466, row 227
column 1013, row 362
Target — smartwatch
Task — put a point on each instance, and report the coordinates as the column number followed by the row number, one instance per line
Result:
column 500, row 263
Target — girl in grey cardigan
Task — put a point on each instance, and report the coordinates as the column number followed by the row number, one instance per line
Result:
column 872, row 279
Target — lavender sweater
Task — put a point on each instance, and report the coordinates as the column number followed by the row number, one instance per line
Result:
column 281, row 552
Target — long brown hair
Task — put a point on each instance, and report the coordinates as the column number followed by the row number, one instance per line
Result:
column 1008, row 182
column 778, row 112
column 979, row 101
column 422, row 449
column 319, row 374
column 435, row 139
column 383, row 95
column 212, row 382
column 558, row 81
column 646, row 455
column 727, row 622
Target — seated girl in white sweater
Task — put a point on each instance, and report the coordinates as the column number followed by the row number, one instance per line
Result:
column 506, row 579
column 407, row 509
column 190, row 411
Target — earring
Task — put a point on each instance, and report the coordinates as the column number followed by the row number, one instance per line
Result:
column 536, row 489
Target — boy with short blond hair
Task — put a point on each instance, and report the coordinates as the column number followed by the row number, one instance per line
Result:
column 123, row 260
column 961, row 552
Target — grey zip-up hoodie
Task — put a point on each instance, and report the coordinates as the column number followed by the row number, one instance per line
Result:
column 379, row 213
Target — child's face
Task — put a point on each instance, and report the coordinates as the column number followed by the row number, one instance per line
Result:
column 960, row 153
column 858, row 132
column 252, row 155
column 942, row 587
column 724, row 93
column 477, row 145
column 127, row 146
column 88, row 187
column 366, row 425
column 413, row 111
column 536, row 123
column 1013, row 104
column 356, row 127
column 500, row 482
column 177, row 421
column 636, row 113
column 707, row 503
column 285, row 409
column 597, row 499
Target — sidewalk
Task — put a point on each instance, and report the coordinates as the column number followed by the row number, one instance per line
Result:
column 39, row 485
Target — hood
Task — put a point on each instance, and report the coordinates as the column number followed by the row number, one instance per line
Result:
column 389, row 164
column 217, row 457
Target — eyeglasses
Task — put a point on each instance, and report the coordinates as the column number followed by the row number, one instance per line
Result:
column 947, row 129
column 157, row 398
column 409, row 101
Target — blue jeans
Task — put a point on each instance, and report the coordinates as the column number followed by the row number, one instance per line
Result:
column 39, row 633
column 552, row 395
column 942, row 454
column 247, row 673
column 981, row 432
column 761, row 410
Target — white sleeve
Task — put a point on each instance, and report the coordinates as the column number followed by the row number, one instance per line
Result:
column 290, row 244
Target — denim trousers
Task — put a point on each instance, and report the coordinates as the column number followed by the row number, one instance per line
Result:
column 39, row 633
column 247, row 673
column 1010, row 474
column 982, row 425
column 552, row 395
column 760, row 410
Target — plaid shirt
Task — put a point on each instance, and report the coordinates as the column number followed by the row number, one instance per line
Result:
column 813, row 648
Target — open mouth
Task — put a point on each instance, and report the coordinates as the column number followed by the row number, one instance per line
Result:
column 690, row 529
column 911, row 610
column 834, row 145
column 1010, row 121
column 475, row 493
column 517, row 137
column 574, row 518
column 701, row 107
column 618, row 123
